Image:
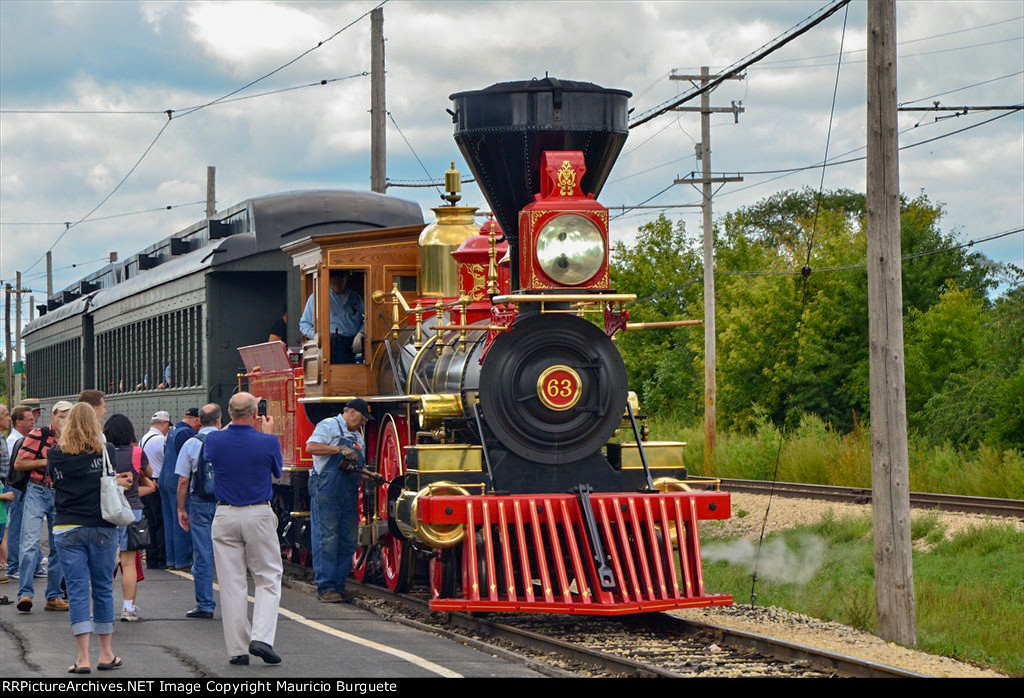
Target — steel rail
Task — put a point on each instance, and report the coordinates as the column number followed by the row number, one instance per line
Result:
column 517, row 636
column 812, row 657
column 862, row 495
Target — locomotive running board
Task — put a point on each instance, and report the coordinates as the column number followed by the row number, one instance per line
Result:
column 651, row 539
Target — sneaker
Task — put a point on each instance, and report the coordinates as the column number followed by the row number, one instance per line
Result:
column 4, row 579
column 130, row 616
column 57, row 604
column 25, row 604
column 40, row 573
column 329, row 597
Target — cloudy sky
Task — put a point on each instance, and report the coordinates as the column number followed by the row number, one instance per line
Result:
column 153, row 56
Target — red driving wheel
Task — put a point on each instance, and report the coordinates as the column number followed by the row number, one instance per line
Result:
column 395, row 554
column 362, row 553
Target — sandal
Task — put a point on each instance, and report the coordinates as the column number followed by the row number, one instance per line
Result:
column 75, row 669
column 115, row 663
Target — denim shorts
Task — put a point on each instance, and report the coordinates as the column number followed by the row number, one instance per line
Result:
column 122, row 532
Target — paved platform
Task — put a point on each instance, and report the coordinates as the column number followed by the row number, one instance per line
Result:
column 315, row 640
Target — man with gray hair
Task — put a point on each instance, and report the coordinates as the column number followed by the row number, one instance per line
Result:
column 246, row 457
column 196, row 517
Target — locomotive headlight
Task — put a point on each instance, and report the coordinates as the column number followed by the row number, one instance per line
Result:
column 570, row 249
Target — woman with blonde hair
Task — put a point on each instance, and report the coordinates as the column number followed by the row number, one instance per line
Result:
column 83, row 536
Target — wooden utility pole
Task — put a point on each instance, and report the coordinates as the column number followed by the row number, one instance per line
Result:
column 378, row 108
column 17, row 337
column 890, row 477
column 706, row 180
column 9, row 367
column 211, row 191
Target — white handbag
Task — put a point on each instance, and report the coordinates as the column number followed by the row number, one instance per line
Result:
column 114, row 505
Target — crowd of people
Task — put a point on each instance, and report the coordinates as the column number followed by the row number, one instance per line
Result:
column 200, row 497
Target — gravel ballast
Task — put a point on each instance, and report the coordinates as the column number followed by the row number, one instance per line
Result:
column 786, row 513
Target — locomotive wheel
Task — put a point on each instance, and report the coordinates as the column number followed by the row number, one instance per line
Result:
column 553, row 389
column 443, row 572
column 395, row 554
column 362, row 553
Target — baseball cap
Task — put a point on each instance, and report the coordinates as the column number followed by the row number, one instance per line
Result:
column 361, row 407
column 62, row 406
column 161, row 416
column 192, row 412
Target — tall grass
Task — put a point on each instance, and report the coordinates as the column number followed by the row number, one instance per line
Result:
column 815, row 453
column 969, row 590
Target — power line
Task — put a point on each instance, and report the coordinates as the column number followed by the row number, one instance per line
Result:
column 171, row 116
column 807, row 270
column 390, row 116
column 69, row 226
column 965, row 87
column 899, row 57
column 767, row 49
column 420, row 183
column 282, row 67
column 104, row 218
column 318, row 83
column 901, row 43
column 793, row 170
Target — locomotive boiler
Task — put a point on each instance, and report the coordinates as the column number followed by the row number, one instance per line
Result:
column 515, row 473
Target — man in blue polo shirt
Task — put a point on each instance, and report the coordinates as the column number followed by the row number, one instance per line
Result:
column 246, row 458
column 196, row 510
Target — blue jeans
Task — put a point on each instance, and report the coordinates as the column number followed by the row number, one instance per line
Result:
column 37, row 504
column 88, row 553
column 14, row 511
column 334, row 505
column 177, row 542
column 200, row 525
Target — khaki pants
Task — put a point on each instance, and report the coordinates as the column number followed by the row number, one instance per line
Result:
column 246, row 537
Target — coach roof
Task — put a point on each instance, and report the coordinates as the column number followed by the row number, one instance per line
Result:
column 256, row 225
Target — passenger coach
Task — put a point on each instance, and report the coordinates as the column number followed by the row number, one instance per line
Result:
column 160, row 330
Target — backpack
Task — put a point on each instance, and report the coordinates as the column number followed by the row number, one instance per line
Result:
column 19, row 479
column 200, row 482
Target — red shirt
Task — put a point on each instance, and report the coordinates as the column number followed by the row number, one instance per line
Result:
column 35, row 448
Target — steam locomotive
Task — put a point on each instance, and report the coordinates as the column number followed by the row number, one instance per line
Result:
column 514, row 470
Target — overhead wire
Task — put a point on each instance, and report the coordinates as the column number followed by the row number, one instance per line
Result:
column 414, row 154
column 104, row 218
column 766, row 49
column 900, row 43
column 899, row 57
column 317, row 83
column 171, row 116
column 960, row 89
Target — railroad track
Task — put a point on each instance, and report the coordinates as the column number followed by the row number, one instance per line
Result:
column 861, row 495
column 649, row 645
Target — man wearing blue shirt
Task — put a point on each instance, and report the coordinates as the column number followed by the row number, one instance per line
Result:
column 246, row 458
column 346, row 318
column 196, row 516
column 177, row 543
column 336, row 445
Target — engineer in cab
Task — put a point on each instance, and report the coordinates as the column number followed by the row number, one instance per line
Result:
column 346, row 318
